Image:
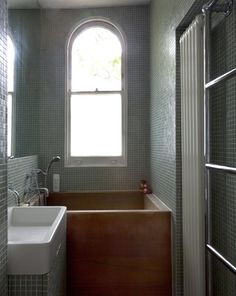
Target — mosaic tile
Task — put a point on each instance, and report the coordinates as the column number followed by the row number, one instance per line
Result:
column 168, row 20
column 47, row 112
column 18, row 169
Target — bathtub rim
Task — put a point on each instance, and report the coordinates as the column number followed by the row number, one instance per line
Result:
column 159, row 203
column 161, row 207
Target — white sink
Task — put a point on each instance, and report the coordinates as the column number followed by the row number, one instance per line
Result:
column 35, row 235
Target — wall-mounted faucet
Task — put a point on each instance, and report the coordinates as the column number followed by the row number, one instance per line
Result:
column 16, row 195
column 45, row 173
column 43, row 190
column 32, row 188
column 32, row 185
column 54, row 159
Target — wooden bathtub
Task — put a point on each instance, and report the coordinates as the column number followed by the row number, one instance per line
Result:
column 118, row 243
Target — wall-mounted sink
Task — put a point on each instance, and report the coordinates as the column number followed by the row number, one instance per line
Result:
column 35, row 235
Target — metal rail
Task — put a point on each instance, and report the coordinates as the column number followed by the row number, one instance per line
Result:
column 226, row 169
column 228, row 264
column 226, row 8
column 221, row 78
column 207, row 52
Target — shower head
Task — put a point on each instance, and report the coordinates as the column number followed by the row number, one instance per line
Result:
column 54, row 159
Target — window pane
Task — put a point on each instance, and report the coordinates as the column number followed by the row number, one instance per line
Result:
column 96, row 61
column 10, row 64
column 9, row 125
column 96, row 125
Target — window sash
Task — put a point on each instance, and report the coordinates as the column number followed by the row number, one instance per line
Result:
column 81, row 66
column 100, row 161
column 10, row 124
column 11, row 97
column 96, row 125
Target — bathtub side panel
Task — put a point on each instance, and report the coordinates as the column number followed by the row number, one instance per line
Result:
column 119, row 253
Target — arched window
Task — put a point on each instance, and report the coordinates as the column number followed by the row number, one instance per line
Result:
column 96, row 96
column 10, row 98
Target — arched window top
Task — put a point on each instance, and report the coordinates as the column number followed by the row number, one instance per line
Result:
column 96, row 57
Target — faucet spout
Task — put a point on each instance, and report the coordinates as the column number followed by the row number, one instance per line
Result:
column 43, row 190
column 16, row 195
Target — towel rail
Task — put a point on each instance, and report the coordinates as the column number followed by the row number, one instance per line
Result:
column 221, row 78
column 226, row 169
column 212, row 6
column 220, row 257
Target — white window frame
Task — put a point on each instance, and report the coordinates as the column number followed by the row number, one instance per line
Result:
column 109, row 161
column 13, row 115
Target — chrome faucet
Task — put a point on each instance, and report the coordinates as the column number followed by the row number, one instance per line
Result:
column 43, row 190
column 32, row 187
column 45, row 173
column 39, row 191
column 34, row 190
column 16, row 195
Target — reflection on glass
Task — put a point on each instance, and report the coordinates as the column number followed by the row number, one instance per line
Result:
column 10, row 89
column 9, row 125
column 96, row 125
column 10, row 64
column 96, row 61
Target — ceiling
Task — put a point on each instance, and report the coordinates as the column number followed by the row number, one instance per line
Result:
column 27, row 4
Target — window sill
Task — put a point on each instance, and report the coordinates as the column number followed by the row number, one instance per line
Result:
column 96, row 162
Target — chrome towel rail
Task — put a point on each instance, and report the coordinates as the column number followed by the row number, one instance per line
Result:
column 226, row 8
column 224, row 168
column 229, row 265
column 221, row 78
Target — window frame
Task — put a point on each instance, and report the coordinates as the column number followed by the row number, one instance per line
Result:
column 13, row 105
column 90, row 161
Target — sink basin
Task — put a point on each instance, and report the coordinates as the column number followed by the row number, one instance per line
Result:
column 35, row 235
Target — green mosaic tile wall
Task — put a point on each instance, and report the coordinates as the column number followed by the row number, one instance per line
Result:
column 48, row 111
column 25, row 31
column 18, row 168
column 168, row 20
